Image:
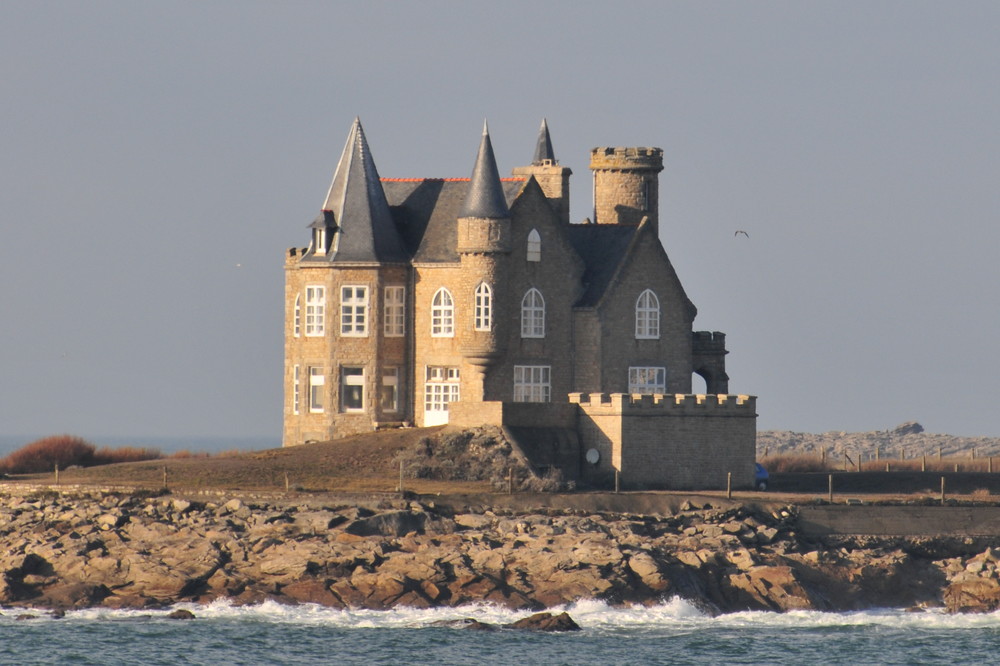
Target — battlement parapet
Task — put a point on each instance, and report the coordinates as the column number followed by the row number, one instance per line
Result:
column 665, row 403
column 626, row 158
column 708, row 342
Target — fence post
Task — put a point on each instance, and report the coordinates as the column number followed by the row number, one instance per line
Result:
column 510, row 480
column 729, row 485
column 823, row 455
column 57, row 474
column 942, row 490
column 939, row 452
column 887, row 465
column 401, row 476
column 164, row 477
column 956, row 467
column 829, row 482
column 990, row 465
column 616, row 481
column 286, row 482
column 923, row 463
column 877, row 452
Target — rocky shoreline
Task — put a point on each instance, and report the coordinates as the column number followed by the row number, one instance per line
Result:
column 130, row 550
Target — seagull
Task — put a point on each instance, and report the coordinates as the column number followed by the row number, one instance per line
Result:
column 740, row 231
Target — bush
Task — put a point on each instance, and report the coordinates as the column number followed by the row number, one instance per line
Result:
column 44, row 454
column 67, row 451
column 791, row 463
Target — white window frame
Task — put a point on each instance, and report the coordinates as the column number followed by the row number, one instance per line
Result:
column 534, row 252
column 532, row 383
column 647, row 379
column 315, row 311
column 296, row 390
column 394, row 312
column 647, row 316
column 442, row 314
column 442, row 385
column 484, row 308
column 354, row 311
column 297, row 316
column 351, row 375
column 533, row 314
column 320, row 241
column 317, row 386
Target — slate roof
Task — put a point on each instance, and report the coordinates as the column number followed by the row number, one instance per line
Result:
column 603, row 248
column 426, row 210
column 485, row 196
column 357, row 211
column 543, row 148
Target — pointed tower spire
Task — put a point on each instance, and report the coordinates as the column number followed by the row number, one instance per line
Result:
column 545, row 169
column 356, row 211
column 543, row 149
column 485, row 198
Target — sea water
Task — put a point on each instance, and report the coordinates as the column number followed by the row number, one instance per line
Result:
column 674, row 632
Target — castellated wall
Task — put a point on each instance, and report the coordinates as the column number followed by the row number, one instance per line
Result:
column 674, row 441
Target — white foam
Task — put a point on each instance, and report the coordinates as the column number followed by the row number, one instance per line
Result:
column 674, row 614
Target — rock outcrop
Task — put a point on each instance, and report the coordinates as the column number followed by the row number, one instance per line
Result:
column 130, row 551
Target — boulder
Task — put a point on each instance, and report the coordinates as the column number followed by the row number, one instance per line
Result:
column 545, row 622
column 977, row 595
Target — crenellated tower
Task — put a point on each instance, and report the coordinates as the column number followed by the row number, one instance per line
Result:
column 626, row 184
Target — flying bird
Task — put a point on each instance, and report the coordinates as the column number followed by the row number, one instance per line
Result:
column 740, row 231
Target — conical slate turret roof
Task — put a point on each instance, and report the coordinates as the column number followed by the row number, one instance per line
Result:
column 356, row 208
column 543, row 149
column 485, row 197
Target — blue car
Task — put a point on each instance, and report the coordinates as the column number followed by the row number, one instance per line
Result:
column 760, row 477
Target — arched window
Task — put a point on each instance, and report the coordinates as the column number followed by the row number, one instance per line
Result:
column 647, row 316
column 484, row 307
column 534, row 246
column 442, row 314
column 297, row 316
column 533, row 315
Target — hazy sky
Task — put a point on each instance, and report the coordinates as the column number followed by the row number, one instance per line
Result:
column 157, row 159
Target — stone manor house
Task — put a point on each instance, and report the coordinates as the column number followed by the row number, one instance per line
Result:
column 424, row 301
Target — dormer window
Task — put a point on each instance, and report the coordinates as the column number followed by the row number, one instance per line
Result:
column 534, row 246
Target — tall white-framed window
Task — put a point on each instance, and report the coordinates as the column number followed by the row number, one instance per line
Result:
column 533, row 314
column 647, row 379
column 534, row 245
column 295, row 389
column 395, row 311
column 647, row 316
column 297, row 316
column 315, row 310
column 352, row 389
column 442, row 386
column 354, row 311
column 317, row 386
column 389, row 397
column 320, row 241
column 484, row 307
column 442, row 314
column 532, row 383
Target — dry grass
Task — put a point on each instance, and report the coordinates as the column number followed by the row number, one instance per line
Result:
column 363, row 463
